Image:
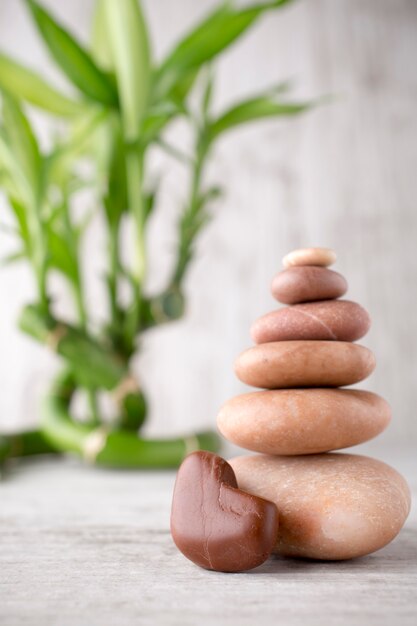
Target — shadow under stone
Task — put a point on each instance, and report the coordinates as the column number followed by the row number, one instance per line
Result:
column 398, row 556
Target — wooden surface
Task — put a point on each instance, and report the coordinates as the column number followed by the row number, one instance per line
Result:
column 83, row 546
column 343, row 176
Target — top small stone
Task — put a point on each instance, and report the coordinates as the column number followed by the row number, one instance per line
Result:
column 310, row 256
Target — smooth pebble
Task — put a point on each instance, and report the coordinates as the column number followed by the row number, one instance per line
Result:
column 310, row 256
column 309, row 283
column 340, row 320
column 216, row 525
column 285, row 364
column 303, row 421
column 331, row 506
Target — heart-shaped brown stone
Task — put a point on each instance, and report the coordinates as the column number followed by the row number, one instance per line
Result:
column 215, row 524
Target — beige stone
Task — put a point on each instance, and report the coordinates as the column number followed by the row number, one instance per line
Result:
column 337, row 320
column 331, row 506
column 303, row 421
column 310, row 256
column 285, row 364
column 307, row 283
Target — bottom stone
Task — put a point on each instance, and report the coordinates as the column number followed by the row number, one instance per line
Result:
column 331, row 506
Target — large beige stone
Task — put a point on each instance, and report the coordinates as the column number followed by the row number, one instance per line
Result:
column 303, row 421
column 331, row 506
column 284, row 364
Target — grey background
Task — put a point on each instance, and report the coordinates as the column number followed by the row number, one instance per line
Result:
column 342, row 176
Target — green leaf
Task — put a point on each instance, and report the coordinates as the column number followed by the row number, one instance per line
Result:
column 61, row 255
column 100, row 45
column 13, row 179
column 128, row 38
column 157, row 118
column 8, row 162
column 8, row 183
column 102, row 145
column 22, row 222
column 12, row 258
column 116, row 201
column 174, row 152
column 72, row 58
column 24, row 162
column 207, row 92
column 257, row 108
column 62, row 160
column 192, row 221
column 85, row 221
column 213, row 35
column 27, row 85
column 149, row 202
column 213, row 193
column 22, row 142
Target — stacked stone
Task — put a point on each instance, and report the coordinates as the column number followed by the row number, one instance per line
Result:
column 331, row 506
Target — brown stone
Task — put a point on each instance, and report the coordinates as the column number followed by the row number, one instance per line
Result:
column 340, row 320
column 215, row 524
column 303, row 421
column 331, row 506
column 307, row 283
column 285, row 364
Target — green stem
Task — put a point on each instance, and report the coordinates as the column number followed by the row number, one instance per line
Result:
column 134, row 175
column 113, row 448
column 42, row 288
column 93, row 364
column 40, row 247
column 82, row 315
column 189, row 220
column 114, row 272
column 93, row 404
column 180, row 156
column 169, row 305
column 29, row 443
column 39, row 260
column 134, row 181
column 115, row 328
column 80, row 304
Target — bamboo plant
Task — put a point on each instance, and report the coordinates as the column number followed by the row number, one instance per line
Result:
column 118, row 105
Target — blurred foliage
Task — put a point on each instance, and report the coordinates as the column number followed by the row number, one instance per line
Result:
column 119, row 103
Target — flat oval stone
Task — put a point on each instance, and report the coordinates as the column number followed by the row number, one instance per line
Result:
column 285, row 364
column 331, row 506
column 215, row 524
column 339, row 320
column 308, row 283
column 303, row 421
column 310, row 256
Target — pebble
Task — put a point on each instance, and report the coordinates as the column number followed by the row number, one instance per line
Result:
column 310, row 256
column 307, row 283
column 331, row 506
column 303, row 421
column 340, row 320
column 216, row 525
column 285, row 364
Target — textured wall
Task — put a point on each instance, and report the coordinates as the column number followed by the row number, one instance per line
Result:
column 343, row 176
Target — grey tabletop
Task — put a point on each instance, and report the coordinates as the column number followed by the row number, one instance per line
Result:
column 80, row 545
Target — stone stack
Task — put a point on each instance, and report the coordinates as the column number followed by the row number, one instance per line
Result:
column 331, row 506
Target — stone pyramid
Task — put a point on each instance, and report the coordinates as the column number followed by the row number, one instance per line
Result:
column 330, row 505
